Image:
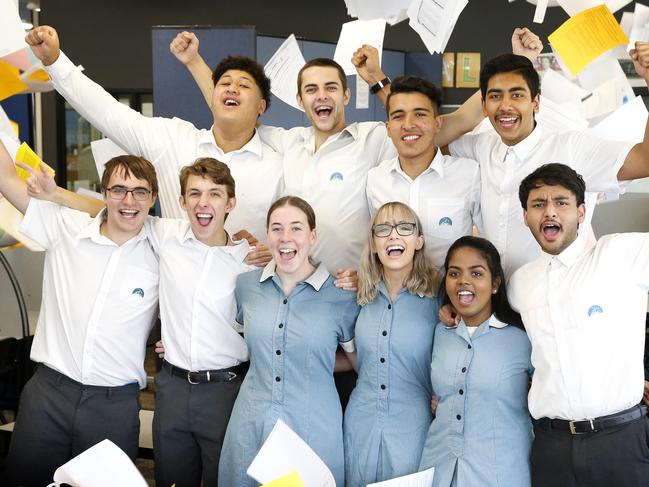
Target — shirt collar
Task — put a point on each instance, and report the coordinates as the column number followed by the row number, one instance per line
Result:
column 483, row 328
column 569, row 255
column 308, row 134
column 437, row 165
column 237, row 248
column 315, row 280
column 254, row 145
column 93, row 231
column 524, row 147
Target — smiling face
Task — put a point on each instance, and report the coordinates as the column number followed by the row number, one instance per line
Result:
column 237, row 98
column 510, row 106
column 470, row 285
column 396, row 252
column 125, row 217
column 207, row 205
column 323, row 98
column 290, row 240
column 412, row 125
column 553, row 216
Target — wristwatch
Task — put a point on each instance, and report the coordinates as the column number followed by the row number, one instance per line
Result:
column 380, row 85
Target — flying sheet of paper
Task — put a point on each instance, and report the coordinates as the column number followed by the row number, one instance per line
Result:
column 419, row 479
column 603, row 69
column 353, row 35
column 400, row 17
column 13, row 35
column 19, row 59
column 284, row 451
column 102, row 151
column 10, row 83
column 434, row 21
column 282, row 70
column 640, row 27
column 627, row 123
column 362, row 93
column 626, row 23
column 539, row 11
column 102, row 465
column 586, row 36
column 554, row 117
column 606, row 98
column 573, row 7
column 27, row 156
column 377, row 9
column 292, row 479
column 560, row 89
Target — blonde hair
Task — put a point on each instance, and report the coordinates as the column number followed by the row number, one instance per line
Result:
column 424, row 278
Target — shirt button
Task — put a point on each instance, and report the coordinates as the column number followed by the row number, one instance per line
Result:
column 463, row 369
column 461, row 391
column 382, row 360
column 389, row 306
column 285, row 301
column 278, row 352
column 281, row 325
column 458, row 417
column 277, row 379
column 382, row 386
column 384, row 333
column 469, row 347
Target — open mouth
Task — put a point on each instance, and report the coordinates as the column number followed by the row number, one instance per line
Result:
column 507, row 121
column 550, row 230
column 128, row 213
column 395, row 250
column 465, row 298
column 323, row 111
column 231, row 102
column 287, row 254
column 204, row 219
column 411, row 138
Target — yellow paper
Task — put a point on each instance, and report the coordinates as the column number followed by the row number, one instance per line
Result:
column 28, row 157
column 39, row 75
column 10, row 84
column 292, row 479
column 585, row 36
column 15, row 126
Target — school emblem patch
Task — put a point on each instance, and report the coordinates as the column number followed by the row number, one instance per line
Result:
column 445, row 221
column 596, row 308
column 139, row 291
column 336, row 177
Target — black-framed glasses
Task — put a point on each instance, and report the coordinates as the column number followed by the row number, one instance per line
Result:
column 120, row 192
column 385, row 229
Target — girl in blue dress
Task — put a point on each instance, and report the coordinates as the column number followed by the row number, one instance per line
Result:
column 480, row 371
column 388, row 414
column 293, row 320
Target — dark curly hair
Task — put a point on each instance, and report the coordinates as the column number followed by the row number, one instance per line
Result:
column 250, row 66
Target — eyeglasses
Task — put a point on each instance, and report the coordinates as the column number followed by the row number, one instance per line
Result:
column 120, row 192
column 385, row 229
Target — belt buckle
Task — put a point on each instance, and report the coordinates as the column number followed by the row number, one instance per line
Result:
column 573, row 429
column 231, row 376
column 189, row 378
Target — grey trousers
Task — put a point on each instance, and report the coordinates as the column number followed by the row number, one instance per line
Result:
column 188, row 429
column 59, row 418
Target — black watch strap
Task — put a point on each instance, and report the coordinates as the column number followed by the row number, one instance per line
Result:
column 380, row 85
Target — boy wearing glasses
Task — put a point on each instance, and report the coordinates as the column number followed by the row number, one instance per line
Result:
column 100, row 299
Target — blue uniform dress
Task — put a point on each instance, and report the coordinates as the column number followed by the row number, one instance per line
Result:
column 292, row 341
column 388, row 415
column 482, row 434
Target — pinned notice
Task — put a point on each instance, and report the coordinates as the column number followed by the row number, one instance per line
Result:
column 587, row 35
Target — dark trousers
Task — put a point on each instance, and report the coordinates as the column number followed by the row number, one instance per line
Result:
column 614, row 457
column 188, row 429
column 60, row 418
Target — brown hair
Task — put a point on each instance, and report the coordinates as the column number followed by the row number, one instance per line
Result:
column 424, row 278
column 208, row 168
column 322, row 62
column 296, row 202
column 133, row 166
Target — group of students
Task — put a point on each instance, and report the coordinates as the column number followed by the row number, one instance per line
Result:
column 104, row 276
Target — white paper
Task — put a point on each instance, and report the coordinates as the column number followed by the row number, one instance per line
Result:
column 615, row 5
column 102, row 151
column 362, row 93
column 353, row 35
column 554, row 117
column 639, row 28
column 400, row 17
column 377, row 9
column 539, row 11
column 282, row 70
column 103, row 465
column 560, row 89
column 10, row 219
column 626, row 24
column 606, row 98
column 573, row 7
column 419, row 479
column 284, row 451
column 434, row 21
column 7, row 129
column 604, row 68
column 551, row 3
column 12, row 37
column 627, row 123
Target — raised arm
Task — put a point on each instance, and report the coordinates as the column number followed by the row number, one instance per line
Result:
column 185, row 48
column 636, row 164
column 11, row 186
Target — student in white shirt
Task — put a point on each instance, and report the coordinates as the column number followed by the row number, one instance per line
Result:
column 241, row 93
column 100, row 299
column 584, row 309
column 444, row 191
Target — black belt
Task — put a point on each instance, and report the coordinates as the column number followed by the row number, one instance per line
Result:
column 593, row 425
column 203, row 376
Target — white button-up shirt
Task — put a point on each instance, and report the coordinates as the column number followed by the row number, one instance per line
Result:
column 333, row 181
column 446, row 198
column 584, row 311
column 171, row 144
column 99, row 299
column 502, row 169
column 197, row 305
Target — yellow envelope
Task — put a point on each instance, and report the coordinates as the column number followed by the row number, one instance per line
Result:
column 10, row 84
column 28, row 157
column 292, row 479
column 585, row 36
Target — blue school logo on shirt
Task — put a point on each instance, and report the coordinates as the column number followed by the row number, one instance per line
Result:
column 336, row 177
column 594, row 309
column 139, row 292
column 445, row 221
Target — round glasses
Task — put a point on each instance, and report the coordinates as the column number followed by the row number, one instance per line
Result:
column 385, row 229
column 120, row 192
